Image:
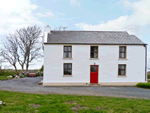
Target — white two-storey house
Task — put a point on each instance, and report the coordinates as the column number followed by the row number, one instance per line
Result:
column 93, row 57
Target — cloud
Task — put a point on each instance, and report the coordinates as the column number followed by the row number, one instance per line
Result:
column 16, row 14
column 47, row 14
column 74, row 2
column 136, row 23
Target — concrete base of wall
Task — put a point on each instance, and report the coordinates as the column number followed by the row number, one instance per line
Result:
column 88, row 84
column 64, row 84
column 119, row 84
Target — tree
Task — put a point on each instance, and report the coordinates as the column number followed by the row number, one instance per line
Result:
column 9, row 52
column 29, row 45
column 24, row 46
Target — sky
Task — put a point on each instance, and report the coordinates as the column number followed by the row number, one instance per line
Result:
column 132, row 16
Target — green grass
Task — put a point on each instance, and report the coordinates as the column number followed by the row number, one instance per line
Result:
column 143, row 85
column 4, row 78
column 31, row 103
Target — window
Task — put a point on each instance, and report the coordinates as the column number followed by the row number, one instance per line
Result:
column 94, row 52
column 122, row 52
column 67, row 52
column 93, row 68
column 122, row 69
column 67, row 69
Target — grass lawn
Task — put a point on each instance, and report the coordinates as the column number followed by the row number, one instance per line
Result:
column 4, row 78
column 31, row 103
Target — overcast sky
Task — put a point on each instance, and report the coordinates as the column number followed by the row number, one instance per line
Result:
column 132, row 16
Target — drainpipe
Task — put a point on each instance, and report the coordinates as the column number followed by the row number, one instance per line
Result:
column 145, row 62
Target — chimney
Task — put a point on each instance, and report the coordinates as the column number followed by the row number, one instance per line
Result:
column 46, row 31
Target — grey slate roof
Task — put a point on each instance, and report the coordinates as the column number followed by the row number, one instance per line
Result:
column 92, row 37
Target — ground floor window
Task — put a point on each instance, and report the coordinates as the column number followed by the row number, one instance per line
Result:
column 122, row 69
column 67, row 68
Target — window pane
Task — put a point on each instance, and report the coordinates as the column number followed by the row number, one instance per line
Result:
column 93, row 68
column 119, row 66
column 65, row 48
column 95, row 49
column 69, row 71
column 65, row 66
column 122, row 55
column 122, row 49
column 119, row 73
column 122, row 67
column 92, row 55
column 66, row 72
column 92, row 48
column 69, row 48
column 95, row 55
column 69, row 66
column 69, row 54
column 66, row 54
column 122, row 72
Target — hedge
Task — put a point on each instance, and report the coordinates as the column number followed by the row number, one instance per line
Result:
column 148, row 76
column 143, row 85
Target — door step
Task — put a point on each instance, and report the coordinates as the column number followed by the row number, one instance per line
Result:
column 94, row 84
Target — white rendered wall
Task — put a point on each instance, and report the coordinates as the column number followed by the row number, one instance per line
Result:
column 108, row 64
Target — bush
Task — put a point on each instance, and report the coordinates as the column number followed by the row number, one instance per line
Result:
column 143, row 85
column 148, row 76
column 6, row 72
column 23, row 76
column 38, row 74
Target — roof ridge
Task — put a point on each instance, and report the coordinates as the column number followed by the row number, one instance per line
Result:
column 87, row 31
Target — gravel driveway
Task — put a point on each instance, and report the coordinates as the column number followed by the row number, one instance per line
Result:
column 29, row 85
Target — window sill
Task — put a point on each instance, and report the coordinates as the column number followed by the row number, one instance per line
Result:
column 67, row 58
column 122, row 59
column 94, row 58
column 67, row 75
column 122, row 76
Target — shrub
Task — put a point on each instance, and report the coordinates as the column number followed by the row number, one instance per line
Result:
column 148, row 76
column 23, row 76
column 6, row 72
column 143, row 85
column 38, row 74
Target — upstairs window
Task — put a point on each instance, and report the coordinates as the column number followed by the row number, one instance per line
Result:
column 94, row 52
column 122, row 51
column 122, row 69
column 67, row 51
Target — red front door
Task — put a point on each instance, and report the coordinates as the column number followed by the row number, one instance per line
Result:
column 94, row 74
